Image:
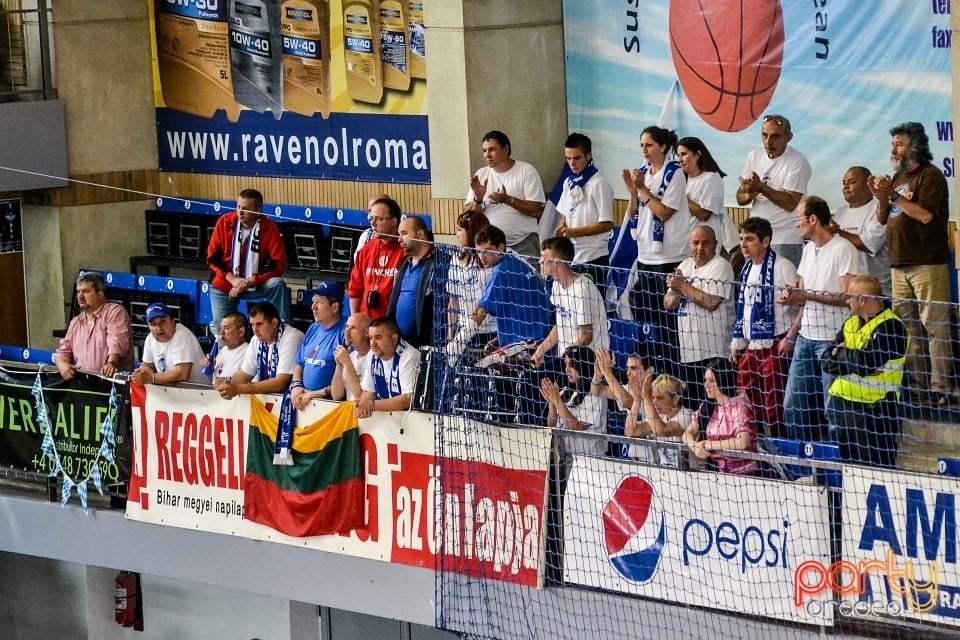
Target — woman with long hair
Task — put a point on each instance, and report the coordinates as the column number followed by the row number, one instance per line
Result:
column 574, row 407
column 705, row 190
column 466, row 280
column 726, row 421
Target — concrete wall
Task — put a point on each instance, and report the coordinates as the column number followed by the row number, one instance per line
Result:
column 494, row 64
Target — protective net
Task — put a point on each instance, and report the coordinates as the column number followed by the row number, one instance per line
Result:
column 685, row 454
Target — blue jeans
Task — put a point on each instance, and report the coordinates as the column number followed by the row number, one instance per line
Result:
column 274, row 291
column 803, row 400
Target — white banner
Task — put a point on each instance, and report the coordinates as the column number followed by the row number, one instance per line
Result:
column 712, row 540
column 899, row 546
column 189, row 462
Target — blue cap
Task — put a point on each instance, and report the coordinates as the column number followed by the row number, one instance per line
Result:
column 329, row 289
column 157, row 310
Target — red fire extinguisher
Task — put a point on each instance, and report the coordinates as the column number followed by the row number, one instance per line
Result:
column 128, row 601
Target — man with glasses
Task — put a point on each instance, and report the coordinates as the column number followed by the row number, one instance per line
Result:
column 370, row 231
column 828, row 266
column 773, row 180
column 371, row 279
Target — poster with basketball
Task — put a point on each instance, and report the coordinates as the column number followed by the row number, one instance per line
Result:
column 843, row 72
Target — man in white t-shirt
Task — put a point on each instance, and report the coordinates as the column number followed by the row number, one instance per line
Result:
column 700, row 292
column 271, row 358
column 389, row 382
column 760, row 324
column 773, row 180
column 580, row 316
column 510, row 194
column 828, row 266
column 171, row 353
column 231, row 347
column 857, row 222
column 586, row 209
column 353, row 359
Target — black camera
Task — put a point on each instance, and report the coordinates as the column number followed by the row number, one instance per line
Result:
column 373, row 299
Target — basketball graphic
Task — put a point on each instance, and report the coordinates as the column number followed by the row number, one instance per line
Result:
column 634, row 529
column 728, row 57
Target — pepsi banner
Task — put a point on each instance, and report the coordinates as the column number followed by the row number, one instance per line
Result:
column 693, row 538
column 899, row 547
column 189, row 464
column 843, row 72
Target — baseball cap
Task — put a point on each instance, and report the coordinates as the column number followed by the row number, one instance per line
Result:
column 329, row 289
column 157, row 310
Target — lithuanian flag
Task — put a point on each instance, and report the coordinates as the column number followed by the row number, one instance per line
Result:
column 322, row 493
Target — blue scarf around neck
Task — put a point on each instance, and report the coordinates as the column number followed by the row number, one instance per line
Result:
column 763, row 316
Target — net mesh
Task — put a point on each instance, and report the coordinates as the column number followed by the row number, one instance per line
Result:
column 691, row 471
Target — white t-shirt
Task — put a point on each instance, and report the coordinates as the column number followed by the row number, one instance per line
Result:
column 580, row 207
column 182, row 347
column 577, row 306
column 361, row 363
column 862, row 221
column 467, row 284
column 676, row 233
column 521, row 181
column 706, row 334
column 228, row 361
column 788, row 172
column 592, row 411
column 707, row 191
column 409, row 366
column 821, row 269
column 287, row 353
column 669, row 457
column 784, row 275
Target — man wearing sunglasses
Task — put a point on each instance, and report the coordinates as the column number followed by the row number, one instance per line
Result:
column 773, row 180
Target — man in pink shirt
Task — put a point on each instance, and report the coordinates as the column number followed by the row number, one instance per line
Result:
column 98, row 339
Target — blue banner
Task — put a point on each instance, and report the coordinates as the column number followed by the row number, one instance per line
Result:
column 345, row 146
column 843, row 72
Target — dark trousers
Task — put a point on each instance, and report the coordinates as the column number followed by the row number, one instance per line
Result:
column 646, row 301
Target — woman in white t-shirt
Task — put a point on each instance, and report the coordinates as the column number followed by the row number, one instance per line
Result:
column 466, row 281
column 705, row 190
column 574, row 407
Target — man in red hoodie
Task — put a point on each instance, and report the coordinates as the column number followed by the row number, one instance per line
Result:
column 247, row 259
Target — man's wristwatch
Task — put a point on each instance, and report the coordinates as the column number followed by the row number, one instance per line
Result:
column 894, row 196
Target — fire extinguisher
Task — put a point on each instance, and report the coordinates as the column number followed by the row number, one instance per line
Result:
column 128, row 602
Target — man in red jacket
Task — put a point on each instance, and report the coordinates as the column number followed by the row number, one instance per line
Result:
column 371, row 279
column 247, row 259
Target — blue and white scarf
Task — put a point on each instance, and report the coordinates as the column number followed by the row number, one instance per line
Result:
column 658, row 228
column 575, row 182
column 268, row 356
column 383, row 387
column 245, row 260
column 288, row 417
column 763, row 315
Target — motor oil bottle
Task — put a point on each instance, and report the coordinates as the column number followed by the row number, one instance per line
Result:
column 418, row 33
column 361, row 50
column 394, row 47
column 256, row 55
column 305, row 26
column 193, row 58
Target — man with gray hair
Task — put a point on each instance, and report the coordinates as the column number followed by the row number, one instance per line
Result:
column 98, row 339
column 914, row 206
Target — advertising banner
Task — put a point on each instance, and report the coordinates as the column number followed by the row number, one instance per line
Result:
column 190, row 447
column 292, row 88
column 843, row 72
column 711, row 540
column 76, row 409
column 899, row 546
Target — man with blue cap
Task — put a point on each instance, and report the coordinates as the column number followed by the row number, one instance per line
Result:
column 171, row 353
column 315, row 363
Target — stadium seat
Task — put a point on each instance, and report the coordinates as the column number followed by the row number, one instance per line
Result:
column 807, row 451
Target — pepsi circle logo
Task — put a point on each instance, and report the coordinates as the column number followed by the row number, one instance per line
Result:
column 634, row 529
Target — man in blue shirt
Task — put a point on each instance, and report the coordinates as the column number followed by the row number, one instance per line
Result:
column 315, row 364
column 411, row 300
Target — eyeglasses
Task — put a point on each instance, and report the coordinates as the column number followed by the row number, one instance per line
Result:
column 378, row 220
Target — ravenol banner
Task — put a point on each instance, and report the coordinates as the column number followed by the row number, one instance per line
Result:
column 292, row 88
column 189, row 451
column 842, row 72
column 76, row 409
